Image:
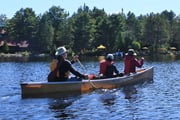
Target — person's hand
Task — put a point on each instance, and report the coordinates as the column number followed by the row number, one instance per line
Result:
column 91, row 76
column 75, row 58
column 86, row 77
column 142, row 58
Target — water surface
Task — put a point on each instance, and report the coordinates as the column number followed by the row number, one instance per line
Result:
column 159, row 99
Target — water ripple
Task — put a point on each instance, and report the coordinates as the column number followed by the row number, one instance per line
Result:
column 159, row 99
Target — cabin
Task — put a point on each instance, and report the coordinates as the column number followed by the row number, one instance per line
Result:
column 12, row 46
column 15, row 47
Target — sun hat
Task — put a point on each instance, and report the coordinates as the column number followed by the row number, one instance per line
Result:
column 60, row 51
column 131, row 52
column 110, row 57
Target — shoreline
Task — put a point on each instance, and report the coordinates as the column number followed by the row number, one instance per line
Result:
column 22, row 55
column 12, row 55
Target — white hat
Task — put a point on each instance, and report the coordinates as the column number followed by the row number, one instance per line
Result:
column 60, row 51
column 131, row 52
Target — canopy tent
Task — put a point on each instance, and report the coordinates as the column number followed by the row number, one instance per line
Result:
column 101, row 47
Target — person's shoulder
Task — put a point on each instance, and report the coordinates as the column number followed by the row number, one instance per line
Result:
column 129, row 57
column 54, row 61
column 103, row 61
column 67, row 61
column 53, row 64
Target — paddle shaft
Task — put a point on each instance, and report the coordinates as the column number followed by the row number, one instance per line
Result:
column 82, row 66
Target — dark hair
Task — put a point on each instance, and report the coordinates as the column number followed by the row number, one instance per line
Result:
column 59, row 57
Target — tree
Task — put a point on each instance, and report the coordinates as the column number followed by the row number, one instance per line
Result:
column 83, row 29
column 3, row 20
column 99, row 17
column 103, row 30
column 136, row 45
column 176, row 37
column 156, row 34
column 169, row 17
column 44, row 41
column 5, row 48
column 134, row 28
column 58, row 19
column 23, row 25
column 117, row 25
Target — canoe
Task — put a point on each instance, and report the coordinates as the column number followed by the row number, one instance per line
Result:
column 48, row 89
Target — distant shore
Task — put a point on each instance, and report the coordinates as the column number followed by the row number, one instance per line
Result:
column 11, row 55
column 22, row 55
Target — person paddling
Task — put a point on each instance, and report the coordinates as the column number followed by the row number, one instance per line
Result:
column 130, row 62
column 64, row 67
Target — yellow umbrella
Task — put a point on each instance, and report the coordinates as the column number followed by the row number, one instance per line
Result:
column 101, row 47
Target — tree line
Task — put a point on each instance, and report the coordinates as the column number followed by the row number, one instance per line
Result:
column 86, row 29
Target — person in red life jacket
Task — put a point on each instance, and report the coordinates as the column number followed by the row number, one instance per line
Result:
column 130, row 62
column 64, row 66
column 107, row 68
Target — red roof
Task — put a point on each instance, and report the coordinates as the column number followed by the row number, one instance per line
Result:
column 11, row 44
column 1, row 43
column 3, row 31
column 22, row 44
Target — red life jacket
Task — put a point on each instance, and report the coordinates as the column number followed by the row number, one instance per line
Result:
column 127, row 66
column 130, row 64
column 103, row 66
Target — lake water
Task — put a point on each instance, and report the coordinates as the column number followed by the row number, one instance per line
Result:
column 157, row 100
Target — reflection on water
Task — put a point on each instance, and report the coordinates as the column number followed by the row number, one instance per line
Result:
column 58, row 106
column 129, row 91
column 109, row 96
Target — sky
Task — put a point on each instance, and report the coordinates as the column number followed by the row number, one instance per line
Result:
column 138, row 7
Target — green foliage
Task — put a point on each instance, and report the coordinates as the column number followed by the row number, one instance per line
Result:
column 86, row 29
column 136, row 45
column 156, row 31
column 5, row 48
column 44, row 42
column 83, row 29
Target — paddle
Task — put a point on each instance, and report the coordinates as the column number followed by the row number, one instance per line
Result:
column 89, row 76
column 82, row 66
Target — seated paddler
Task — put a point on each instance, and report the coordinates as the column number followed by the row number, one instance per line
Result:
column 62, row 67
column 107, row 67
column 131, row 62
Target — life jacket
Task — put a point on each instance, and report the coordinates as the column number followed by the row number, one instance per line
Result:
column 103, row 66
column 52, row 76
column 53, row 66
column 129, row 64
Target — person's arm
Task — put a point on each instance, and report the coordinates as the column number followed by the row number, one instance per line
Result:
column 74, row 59
column 139, row 63
column 73, row 71
column 115, row 70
